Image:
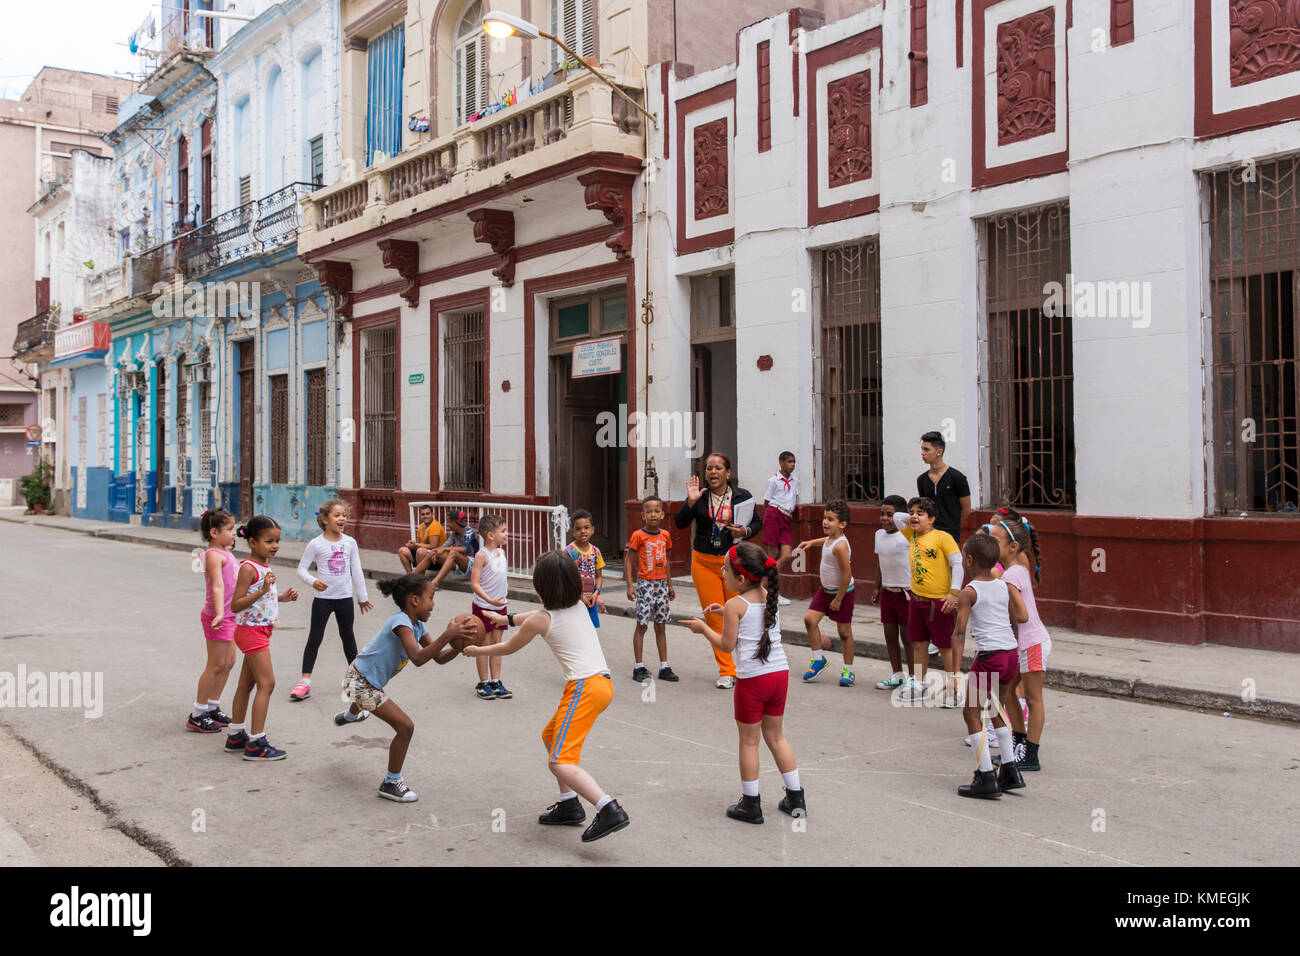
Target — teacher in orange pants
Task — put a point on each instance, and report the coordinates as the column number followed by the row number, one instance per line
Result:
column 711, row 507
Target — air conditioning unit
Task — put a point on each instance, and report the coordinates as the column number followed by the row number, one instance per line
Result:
column 200, row 373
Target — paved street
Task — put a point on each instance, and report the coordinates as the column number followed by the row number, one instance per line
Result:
column 1171, row 786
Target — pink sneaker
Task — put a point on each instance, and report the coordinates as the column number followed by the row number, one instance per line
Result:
column 301, row 692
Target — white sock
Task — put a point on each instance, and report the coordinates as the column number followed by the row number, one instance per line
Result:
column 256, row 737
column 663, row 665
column 603, row 801
column 820, row 655
column 638, row 663
column 1005, row 747
column 350, row 717
column 214, row 705
column 199, row 709
column 235, row 729
column 749, row 788
column 305, row 680
column 567, row 795
column 980, row 746
column 791, row 780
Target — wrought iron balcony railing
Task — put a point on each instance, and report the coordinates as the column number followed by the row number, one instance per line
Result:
column 253, row 228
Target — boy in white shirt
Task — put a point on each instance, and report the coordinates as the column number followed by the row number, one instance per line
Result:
column 779, row 502
column 893, row 578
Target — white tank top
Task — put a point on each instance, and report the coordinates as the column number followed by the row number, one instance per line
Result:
column 266, row 609
column 492, row 579
column 747, row 639
column 573, row 641
column 830, row 570
column 990, row 619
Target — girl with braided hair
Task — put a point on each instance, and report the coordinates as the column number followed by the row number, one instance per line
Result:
column 751, row 633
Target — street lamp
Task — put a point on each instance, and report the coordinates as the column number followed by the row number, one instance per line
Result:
column 502, row 25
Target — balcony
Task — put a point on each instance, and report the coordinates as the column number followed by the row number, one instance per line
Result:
column 254, row 228
column 573, row 118
column 34, row 340
column 182, row 38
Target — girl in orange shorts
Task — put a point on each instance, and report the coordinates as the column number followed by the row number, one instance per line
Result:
column 257, row 607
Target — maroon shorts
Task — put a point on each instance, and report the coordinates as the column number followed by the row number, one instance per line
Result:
column 481, row 614
column 761, row 696
column 778, row 529
column 927, row 624
column 893, row 607
column 821, row 603
column 990, row 674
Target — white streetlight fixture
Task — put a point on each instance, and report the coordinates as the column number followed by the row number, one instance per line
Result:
column 502, row 25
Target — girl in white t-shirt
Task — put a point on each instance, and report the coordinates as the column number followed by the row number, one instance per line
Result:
column 751, row 633
column 1022, row 560
column 338, row 578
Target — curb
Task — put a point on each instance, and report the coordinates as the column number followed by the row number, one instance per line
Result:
column 1101, row 685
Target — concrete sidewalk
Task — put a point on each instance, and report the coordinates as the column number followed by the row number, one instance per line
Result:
column 1239, row 681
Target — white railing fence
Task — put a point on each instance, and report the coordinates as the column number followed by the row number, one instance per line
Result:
column 531, row 530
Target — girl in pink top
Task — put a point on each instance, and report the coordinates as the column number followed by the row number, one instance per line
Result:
column 218, row 530
column 1023, row 561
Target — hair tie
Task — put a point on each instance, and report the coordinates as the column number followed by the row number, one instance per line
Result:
column 1037, row 568
column 1004, row 511
column 1027, row 524
column 769, row 564
column 740, row 569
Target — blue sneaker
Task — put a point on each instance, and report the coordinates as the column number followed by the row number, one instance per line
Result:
column 262, row 750
column 500, row 690
column 235, row 742
column 815, row 667
column 846, row 677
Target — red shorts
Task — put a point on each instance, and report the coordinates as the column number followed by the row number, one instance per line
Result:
column 253, row 638
column 225, row 632
column 893, row 606
column 990, row 674
column 821, row 603
column 778, row 528
column 927, row 624
column 761, row 696
column 481, row 614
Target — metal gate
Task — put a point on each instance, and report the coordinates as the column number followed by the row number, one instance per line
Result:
column 1030, row 359
column 853, row 461
column 317, row 427
column 380, row 404
column 463, row 402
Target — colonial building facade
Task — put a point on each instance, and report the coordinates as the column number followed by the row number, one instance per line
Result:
column 1061, row 233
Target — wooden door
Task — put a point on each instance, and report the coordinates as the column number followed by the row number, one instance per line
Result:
column 160, row 440
column 247, row 426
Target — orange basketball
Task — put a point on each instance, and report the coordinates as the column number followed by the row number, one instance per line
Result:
column 479, row 630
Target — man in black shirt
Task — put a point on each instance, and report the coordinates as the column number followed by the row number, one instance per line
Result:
column 945, row 485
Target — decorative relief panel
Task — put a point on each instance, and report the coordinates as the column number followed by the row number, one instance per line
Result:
column 1264, row 39
column 848, row 118
column 711, row 197
column 1026, row 76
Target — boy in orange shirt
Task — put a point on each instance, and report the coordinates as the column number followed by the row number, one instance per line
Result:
column 649, row 585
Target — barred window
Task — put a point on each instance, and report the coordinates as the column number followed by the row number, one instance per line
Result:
column 12, row 414
column 1030, row 378
column 463, row 401
column 850, row 372
column 279, row 429
column 205, row 432
column 1253, row 224
column 380, row 407
column 317, row 427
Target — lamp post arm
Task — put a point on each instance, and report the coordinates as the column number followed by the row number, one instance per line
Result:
column 604, row 79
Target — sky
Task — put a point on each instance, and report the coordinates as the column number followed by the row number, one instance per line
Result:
column 74, row 34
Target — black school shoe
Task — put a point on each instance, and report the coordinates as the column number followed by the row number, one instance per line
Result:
column 640, row 674
column 984, row 785
column 749, row 809
column 1009, row 777
column 609, row 820
column 567, row 813
column 792, row 803
column 666, row 673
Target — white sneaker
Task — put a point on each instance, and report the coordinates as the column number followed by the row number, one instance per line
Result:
column 933, row 650
column 782, row 601
column 726, row 683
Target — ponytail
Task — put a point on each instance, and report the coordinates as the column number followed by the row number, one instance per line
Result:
column 750, row 562
column 401, row 588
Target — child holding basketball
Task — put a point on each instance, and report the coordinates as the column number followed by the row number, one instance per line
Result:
column 835, row 597
column 403, row 639
column 591, row 564
column 218, row 530
column 751, row 633
column 565, row 625
column 650, row 586
column 488, row 581
column 339, row 577
column 988, row 606
column 257, row 608
column 892, row 579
